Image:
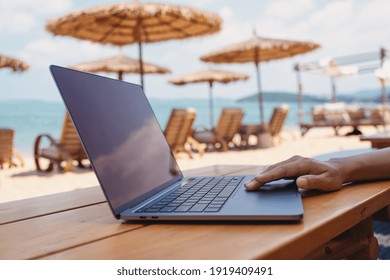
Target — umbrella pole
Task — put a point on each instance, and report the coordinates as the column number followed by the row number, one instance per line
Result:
column 120, row 75
column 384, row 102
column 137, row 33
column 260, row 93
column 333, row 82
column 384, row 95
column 141, row 65
column 300, row 91
column 211, row 105
column 383, row 85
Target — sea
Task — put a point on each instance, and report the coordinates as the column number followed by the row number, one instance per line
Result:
column 29, row 118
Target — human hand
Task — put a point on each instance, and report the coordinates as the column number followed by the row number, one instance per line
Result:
column 309, row 174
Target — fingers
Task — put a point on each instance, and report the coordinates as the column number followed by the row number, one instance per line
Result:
column 292, row 169
column 282, row 163
column 310, row 174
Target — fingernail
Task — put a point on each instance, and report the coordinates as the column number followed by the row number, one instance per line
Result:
column 302, row 182
column 250, row 184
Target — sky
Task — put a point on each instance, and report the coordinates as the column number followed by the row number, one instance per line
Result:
column 343, row 27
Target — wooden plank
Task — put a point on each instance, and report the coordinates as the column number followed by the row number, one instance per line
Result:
column 81, row 217
column 326, row 216
column 37, row 237
column 45, row 205
column 34, row 207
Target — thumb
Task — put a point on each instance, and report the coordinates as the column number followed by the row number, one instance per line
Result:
column 302, row 182
column 311, row 182
column 320, row 182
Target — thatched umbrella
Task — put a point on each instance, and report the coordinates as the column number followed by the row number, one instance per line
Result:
column 209, row 76
column 15, row 64
column 258, row 50
column 135, row 22
column 119, row 64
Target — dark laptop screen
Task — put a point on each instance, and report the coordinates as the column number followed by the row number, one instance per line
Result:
column 121, row 134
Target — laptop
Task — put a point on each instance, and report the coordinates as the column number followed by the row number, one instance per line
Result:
column 136, row 168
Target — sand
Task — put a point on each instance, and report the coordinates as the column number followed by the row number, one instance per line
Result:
column 25, row 182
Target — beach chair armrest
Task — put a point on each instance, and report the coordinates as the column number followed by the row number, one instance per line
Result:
column 53, row 143
column 201, row 128
column 39, row 138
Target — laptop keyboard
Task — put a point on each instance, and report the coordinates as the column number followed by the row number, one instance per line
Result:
column 206, row 194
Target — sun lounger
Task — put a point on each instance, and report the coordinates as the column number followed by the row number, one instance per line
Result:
column 276, row 122
column 7, row 152
column 228, row 126
column 340, row 115
column 178, row 132
column 67, row 149
column 274, row 127
column 379, row 140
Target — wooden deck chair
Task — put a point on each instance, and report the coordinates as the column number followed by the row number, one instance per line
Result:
column 276, row 122
column 273, row 127
column 228, row 126
column 178, row 131
column 7, row 151
column 67, row 149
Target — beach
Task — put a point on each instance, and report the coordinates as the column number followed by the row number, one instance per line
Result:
column 25, row 182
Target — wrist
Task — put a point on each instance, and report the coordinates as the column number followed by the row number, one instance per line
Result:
column 344, row 169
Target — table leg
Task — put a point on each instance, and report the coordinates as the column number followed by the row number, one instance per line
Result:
column 358, row 242
column 365, row 231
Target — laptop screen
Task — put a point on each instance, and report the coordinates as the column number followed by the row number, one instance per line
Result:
column 121, row 135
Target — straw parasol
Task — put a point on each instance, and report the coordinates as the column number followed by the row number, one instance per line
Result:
column 209, row 76
column 135, row 22
column 15, row 64
column 256, row 50
column 119, row 64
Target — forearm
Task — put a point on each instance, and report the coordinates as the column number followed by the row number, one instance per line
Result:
column 368, row 166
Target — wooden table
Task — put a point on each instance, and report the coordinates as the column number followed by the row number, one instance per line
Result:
column 379, row 140
column 79, row 225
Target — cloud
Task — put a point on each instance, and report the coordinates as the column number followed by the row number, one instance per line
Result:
column 233, row 30
column 22, row 16
column 333, row 15
column 36, row 7
column 287, row 10
column 350, row 27
column 204, row 4
column 46, row 51
column 341, row 27
column 16, row 22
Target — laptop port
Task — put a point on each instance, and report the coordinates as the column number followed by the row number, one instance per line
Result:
column 142, row 217
column 154, row 217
